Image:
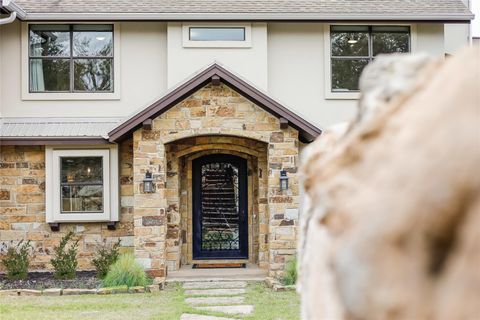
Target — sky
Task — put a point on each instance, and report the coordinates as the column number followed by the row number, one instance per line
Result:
column 476, row 23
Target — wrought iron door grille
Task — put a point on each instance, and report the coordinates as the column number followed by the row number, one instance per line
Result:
column 220, row 206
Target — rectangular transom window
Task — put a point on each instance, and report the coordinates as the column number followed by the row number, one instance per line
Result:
column 82, row 184
column 70, row 58
column 217, row 34
column 353, row 47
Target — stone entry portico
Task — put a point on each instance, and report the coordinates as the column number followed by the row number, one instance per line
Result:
column 214, row 112
column 215, row 119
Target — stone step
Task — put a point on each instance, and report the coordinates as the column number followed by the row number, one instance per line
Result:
column 214, row 292
column 215, row 301
column 215, row 285
column 188, row 316
column 240, row 309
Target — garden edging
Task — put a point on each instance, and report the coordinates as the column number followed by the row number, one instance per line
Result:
column 70, row 292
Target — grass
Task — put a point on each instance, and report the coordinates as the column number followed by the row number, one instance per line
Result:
column 166, row 305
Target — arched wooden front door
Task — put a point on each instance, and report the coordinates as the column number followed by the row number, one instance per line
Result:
column 220, row 217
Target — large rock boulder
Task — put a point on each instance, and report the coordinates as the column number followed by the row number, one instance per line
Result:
column 391, row 227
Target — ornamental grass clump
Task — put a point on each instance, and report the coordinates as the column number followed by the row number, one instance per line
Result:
column 17, row 259
column 126, row 271
column 106, row 256
column 64, row 261
column 290, row 277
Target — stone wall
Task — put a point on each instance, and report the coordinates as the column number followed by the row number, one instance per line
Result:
column 22, row 207
column 214, row 111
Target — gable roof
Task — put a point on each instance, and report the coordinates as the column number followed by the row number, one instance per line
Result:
column 313, row 10
column 216, row 73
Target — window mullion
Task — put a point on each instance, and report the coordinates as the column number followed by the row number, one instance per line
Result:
column 71, row 60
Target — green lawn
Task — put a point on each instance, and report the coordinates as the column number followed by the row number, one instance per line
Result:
column 165, row 305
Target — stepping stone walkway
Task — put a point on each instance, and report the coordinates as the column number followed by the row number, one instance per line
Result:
column 225, row 297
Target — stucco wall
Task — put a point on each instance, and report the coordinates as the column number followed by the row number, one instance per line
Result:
column 143, row 75
column 286, row 59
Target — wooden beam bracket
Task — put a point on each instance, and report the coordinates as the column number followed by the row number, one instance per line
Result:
column 283, row 123
column 215, row 80
column 147, row 124
column 55, row 227
column 112, row 225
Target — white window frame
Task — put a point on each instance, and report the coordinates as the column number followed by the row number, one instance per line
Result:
column 27, row 95
column 187, row 43
column 331, row 95
column 110, row 184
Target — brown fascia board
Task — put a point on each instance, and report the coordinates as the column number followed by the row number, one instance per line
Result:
column 308, row 131
column 29, row 141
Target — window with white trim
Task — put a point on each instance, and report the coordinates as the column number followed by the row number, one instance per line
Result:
column 230, row 35
column 82, row 185
column 70, row 58
column 353, row 47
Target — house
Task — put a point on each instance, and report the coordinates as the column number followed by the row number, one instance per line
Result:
column 176, row 126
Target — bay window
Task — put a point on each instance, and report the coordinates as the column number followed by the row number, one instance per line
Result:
column 353, row 47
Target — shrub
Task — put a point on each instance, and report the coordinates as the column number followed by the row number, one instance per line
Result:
column 64, row 260
column 290, row 277
column 16, row 259
column 126, row 271
column 105, row 257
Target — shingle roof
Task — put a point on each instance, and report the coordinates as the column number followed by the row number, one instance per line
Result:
column 56, row 127
column 252, row 9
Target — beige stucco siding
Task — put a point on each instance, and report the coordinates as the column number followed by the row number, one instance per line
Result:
column 142, row 73
column 285, row 59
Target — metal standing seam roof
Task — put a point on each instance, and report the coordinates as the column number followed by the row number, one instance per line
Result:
column 246, row 9
column 56, row 127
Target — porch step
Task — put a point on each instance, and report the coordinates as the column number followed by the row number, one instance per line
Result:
column 215, row 285
column 234, row 310
column 214, row 292
column 215, row 301
column 187, row 316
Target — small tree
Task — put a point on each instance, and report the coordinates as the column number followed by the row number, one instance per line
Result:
column 105, row 257
column 64, row 260
column 16, row 260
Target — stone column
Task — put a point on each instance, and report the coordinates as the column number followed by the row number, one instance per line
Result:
column 149, row 208
column 283, row 205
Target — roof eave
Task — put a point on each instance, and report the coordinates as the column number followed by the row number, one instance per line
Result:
column 40, row 141
column 244, row 16
column 13, row 7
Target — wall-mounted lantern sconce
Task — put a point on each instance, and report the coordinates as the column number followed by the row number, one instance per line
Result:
column 283, row 180
column 148, row 183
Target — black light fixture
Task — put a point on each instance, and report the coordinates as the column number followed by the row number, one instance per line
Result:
column 283, row 180
column 148, row 183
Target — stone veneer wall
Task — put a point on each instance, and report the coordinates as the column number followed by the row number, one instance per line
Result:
column 22, row 207
column 214, row 110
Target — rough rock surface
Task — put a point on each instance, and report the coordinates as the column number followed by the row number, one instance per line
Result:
column 391, row 228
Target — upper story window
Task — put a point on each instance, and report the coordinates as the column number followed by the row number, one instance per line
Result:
column 217, row 34
column 70, row 58
column 353, row 47
column 211, row 35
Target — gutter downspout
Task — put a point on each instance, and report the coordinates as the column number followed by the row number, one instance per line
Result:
column 10, row 19
column 13, row 8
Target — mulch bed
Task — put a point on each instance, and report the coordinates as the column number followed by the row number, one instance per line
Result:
column 45, row 280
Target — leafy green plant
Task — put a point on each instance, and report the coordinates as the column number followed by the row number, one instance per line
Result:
column 64, row 260
column 290, row 276
column 106, row 256
column 126, row 271
column 16, row 260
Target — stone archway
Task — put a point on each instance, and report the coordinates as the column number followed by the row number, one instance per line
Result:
column 180, row 156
